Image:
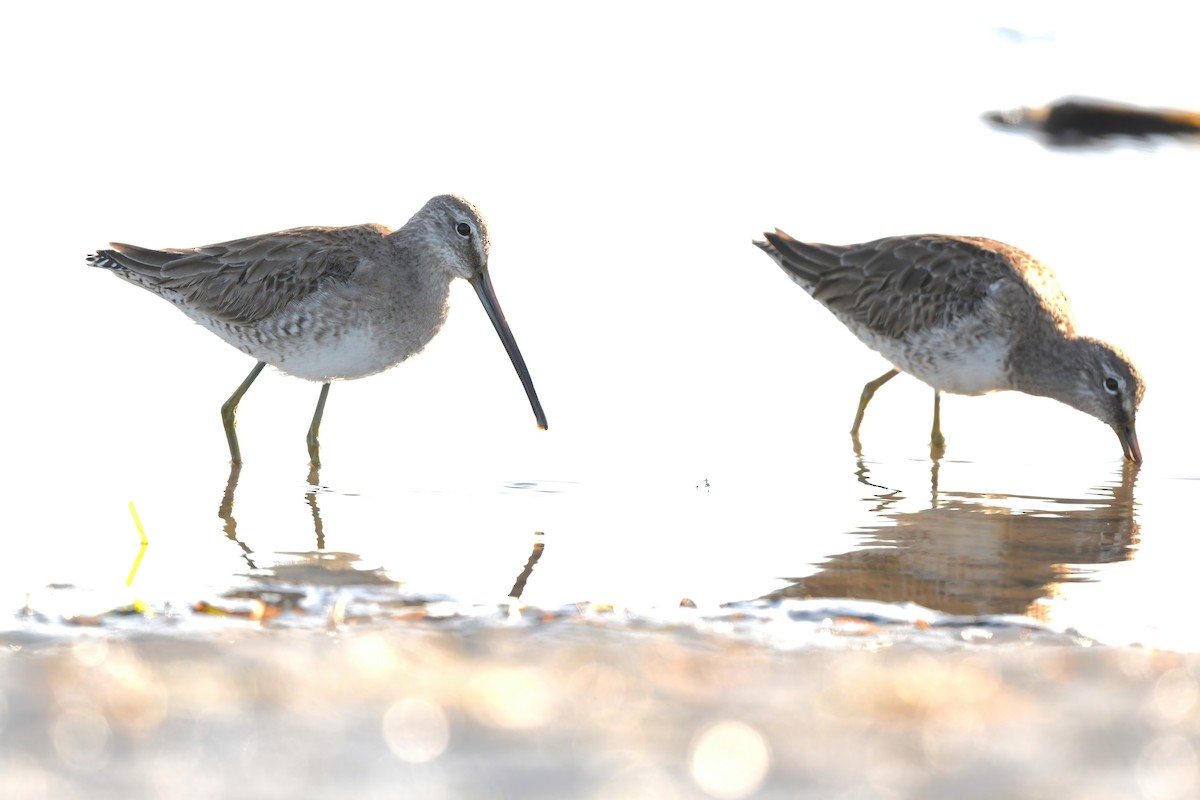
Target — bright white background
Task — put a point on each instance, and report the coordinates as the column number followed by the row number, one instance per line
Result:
column 625, row 154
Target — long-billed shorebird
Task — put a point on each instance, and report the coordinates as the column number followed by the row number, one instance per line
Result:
column 327, row 304
column 965, row 315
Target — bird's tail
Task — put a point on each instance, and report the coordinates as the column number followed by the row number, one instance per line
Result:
column 140, row 265
column 104, row 260
column 804, row 263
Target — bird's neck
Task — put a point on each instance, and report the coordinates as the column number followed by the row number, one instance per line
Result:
column 424, row 252
column 1044, row 365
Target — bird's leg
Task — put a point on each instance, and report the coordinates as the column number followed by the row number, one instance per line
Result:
column 867, row 393
column 229, row 412
column 314, row 446
column 935, row 437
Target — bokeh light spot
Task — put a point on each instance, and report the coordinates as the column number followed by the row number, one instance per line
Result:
column 729, row 760
column 416, row 730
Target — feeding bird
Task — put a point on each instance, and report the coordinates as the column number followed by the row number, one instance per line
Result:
column 325, row 303
column 965, row 315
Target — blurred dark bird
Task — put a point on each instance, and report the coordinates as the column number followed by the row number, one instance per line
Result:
column 1075, row 121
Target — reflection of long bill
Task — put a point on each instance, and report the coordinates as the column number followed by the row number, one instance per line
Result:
column 1129, row 443
column 487, row 296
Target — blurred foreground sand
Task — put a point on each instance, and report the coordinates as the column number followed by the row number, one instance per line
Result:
column 565, row 712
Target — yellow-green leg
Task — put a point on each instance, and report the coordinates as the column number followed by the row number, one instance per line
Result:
column 314, row 447
column 935, row 437
column 229, row 412
column 867, row 393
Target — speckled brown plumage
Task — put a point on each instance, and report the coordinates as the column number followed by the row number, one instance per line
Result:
column 967, row 315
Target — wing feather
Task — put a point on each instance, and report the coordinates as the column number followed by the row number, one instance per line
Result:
column 246, row 280
column 901, row 284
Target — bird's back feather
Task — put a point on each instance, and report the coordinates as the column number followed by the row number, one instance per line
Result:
column 245, row 280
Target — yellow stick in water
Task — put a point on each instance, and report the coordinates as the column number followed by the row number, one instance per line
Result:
column 137, row 562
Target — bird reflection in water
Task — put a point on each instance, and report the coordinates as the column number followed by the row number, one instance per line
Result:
column 319, row 566
column 225, row 512
column 977, row 553
column 519, row 585
column 229, row 522
column 310, row 497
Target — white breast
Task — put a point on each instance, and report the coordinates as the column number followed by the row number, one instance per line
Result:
column 352, row 353
column 318, row 352
column 948, row 359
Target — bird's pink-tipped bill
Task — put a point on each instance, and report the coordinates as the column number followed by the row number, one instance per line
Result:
column 1129, row 442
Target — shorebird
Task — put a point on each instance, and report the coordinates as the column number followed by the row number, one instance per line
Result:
column 1075, row 121
column 965, row 315
column 327, row 304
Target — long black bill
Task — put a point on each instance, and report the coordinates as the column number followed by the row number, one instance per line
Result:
column 487, row 296
column 1129, row 443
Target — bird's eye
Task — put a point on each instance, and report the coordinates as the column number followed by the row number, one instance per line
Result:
column 463, row 229
column 1111, row 385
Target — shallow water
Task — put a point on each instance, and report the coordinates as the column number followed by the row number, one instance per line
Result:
column 695, row 535
column 1089, row 558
